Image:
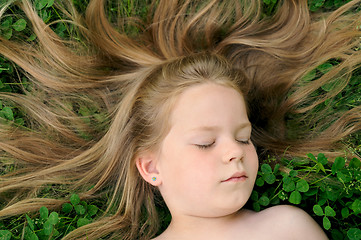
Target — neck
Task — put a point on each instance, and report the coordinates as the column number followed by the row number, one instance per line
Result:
column 194, row 227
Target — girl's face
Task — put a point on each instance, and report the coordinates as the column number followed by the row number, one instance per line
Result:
column 207, row 164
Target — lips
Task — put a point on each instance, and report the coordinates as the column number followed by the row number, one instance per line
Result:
column 237, row 177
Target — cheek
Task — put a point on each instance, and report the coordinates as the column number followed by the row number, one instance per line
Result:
column 202, row 164
column 253, row 160
column 188, row 165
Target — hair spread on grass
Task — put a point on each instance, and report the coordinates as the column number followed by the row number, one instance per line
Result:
column 132, row 78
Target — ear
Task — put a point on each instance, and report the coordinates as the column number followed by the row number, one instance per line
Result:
column 147, row 167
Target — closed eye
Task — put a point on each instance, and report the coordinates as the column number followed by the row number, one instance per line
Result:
column 204, row 146
column 245, row 142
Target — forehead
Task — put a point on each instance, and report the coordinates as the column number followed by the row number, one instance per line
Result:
column 208, row 105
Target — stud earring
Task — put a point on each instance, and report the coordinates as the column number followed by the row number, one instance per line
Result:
column 154, row 178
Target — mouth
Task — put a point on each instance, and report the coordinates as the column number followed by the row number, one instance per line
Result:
column 237, row 177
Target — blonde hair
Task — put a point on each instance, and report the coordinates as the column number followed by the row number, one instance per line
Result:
column 132, row 80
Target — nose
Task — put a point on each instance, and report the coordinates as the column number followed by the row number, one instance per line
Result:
column 234, row 151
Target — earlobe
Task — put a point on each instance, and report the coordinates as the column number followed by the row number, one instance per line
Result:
column 147, row 167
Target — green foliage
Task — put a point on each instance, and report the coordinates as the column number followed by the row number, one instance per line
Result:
column 338, row 102
column 324, row 5
column 8, row 25
column 15, row 26
column 269, row 7
column 328, row 190
column 10, row 115
column 53, row 225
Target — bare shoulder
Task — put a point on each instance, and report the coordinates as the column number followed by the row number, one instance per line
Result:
column 290, row 222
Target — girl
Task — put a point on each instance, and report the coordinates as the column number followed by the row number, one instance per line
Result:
column 177, row 101
column 205, row 164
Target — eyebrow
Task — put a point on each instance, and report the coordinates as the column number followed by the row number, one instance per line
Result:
column 215, row 128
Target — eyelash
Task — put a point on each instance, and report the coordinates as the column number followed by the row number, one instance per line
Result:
column 244, row 142
column 205, row 146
